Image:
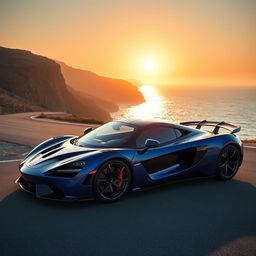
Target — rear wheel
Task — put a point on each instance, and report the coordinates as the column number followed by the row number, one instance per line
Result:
column 112, row 181
column 228, row 162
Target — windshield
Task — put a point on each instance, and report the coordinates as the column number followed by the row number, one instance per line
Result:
column 110, row 135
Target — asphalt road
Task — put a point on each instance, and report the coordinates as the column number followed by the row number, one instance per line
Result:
column 203, row 217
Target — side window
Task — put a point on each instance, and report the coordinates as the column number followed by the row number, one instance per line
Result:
column 178, row 133
column 181, row 132
column 162, row 134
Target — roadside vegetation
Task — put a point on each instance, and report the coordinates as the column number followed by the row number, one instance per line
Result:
column 249, row 141
column 72, row 118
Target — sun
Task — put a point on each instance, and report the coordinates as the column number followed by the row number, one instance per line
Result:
column 149, row 64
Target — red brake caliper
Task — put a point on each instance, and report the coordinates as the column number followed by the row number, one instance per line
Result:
column 120, row 176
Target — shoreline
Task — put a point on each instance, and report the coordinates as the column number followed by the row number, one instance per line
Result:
column 251, row 143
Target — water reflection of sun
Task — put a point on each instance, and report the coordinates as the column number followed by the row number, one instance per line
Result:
column 151, row 108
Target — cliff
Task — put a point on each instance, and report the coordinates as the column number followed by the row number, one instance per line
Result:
column 115, row 90
column 32, row 82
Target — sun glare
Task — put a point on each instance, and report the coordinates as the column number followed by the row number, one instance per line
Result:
column 149, row 64
column 152, row 107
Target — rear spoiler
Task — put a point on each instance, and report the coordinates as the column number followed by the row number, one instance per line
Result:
column 216, row 125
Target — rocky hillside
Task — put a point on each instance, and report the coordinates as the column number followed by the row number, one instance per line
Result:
column 115, row 90
column 30, row 82
column 10, row 103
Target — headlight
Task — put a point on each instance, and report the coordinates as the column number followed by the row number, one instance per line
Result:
column 77, row 164
column 67, row 170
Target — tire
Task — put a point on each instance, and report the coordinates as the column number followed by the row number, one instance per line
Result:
column 111, row 181
column 228, row 162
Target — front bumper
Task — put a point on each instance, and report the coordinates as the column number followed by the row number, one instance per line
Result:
column 56, row 188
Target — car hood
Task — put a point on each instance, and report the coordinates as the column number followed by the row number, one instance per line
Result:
column 54, row 157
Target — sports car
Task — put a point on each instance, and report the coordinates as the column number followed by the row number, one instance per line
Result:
column 121, row 156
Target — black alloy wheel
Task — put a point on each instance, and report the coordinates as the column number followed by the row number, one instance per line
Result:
column 111, row 181
column 228, row 162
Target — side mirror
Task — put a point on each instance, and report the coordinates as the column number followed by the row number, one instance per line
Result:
column 87, row 130
column 150, row 143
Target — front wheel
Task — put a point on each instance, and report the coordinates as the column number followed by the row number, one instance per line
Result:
column 112, row 181
column 228, row 162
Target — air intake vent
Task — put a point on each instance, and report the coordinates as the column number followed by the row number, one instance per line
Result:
column 51, row 152
column 52, row 148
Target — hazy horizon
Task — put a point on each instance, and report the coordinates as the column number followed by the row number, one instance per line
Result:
column 155, row 42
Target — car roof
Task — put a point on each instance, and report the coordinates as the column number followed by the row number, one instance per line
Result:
column 138, row 122
column 144, row 123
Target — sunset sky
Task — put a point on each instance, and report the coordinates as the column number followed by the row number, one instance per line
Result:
column 156, row 42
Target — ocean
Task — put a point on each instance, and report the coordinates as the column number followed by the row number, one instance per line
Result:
column 235, row 105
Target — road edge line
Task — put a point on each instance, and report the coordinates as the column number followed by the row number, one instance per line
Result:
column 249, row 146
column 61, row 122
column 9, row 161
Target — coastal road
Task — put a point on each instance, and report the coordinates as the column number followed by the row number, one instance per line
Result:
column 203, row 217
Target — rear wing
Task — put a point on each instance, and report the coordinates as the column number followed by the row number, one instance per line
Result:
column 217, row 125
